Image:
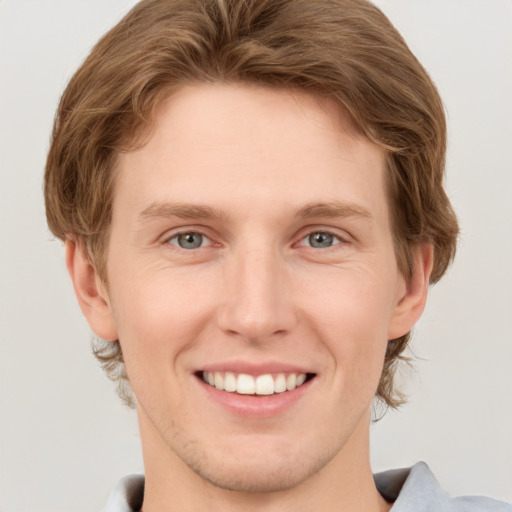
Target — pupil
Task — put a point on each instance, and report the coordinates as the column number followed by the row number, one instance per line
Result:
column 320, row 240
column 190, row 240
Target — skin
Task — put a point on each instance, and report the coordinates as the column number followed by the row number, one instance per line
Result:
column 267, row 168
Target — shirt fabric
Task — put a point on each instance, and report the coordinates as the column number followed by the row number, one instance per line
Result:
column 411, row 490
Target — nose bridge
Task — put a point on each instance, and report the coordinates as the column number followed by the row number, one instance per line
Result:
column 258, row 303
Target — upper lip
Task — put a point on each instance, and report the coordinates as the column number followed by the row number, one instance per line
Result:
column 252, row 368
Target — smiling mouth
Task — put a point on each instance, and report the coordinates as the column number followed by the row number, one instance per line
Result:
column 244, row 384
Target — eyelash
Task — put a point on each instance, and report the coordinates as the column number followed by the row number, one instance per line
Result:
column 337, row 239
column 182, row 233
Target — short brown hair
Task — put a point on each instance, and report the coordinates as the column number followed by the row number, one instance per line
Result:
column 346, row 50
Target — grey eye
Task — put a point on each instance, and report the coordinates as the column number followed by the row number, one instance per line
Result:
column 321, row 240
column 188, row 240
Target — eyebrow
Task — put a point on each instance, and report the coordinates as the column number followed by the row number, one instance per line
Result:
column 333, row 209
column 181, row 210
column 190, row 211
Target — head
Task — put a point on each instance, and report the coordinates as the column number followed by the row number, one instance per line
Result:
column 344, row 52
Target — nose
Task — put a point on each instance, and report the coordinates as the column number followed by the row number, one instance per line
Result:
column 258, row 304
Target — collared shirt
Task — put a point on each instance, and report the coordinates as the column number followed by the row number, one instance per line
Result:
column 410, row 490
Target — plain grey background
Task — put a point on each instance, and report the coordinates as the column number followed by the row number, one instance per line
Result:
column 64, row 436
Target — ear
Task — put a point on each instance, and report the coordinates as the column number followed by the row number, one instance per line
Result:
column 412, row 294
column 90, row 291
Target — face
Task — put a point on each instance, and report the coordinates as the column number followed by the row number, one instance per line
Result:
column 253, row 285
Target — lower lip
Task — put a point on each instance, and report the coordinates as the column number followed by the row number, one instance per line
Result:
column 256, row 406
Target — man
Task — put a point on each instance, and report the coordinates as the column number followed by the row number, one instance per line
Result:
column 251, row 198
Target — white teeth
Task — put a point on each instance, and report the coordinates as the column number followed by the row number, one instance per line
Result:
column 291, row 382
column 280, row 383
column 219, row 380
column 230, row 382
column 244, row 384
column 265, row 385
column 301, row 378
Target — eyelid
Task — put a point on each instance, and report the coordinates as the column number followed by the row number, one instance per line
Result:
column 174, row 233
column 204, row 241
column 342, row 236
column 303, row 240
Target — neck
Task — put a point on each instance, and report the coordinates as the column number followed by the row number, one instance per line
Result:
column 345, row 483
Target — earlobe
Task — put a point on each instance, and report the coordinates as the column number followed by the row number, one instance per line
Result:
column 89, row 290
column 413, row 294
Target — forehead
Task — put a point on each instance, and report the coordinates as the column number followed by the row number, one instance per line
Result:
column 214, row 144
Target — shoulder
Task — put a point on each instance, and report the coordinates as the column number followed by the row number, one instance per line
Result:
column 127, row 495
column 410, row 489
column 416, row 489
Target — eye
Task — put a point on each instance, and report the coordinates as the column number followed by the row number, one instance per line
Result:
column 189, row 240
column 320, row 240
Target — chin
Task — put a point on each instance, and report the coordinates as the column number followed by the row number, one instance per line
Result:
column 262, row 471
column 255, row 478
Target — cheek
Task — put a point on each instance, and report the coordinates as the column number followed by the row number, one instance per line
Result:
column 358, row 302
column 350, row 314
column 158, row 314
